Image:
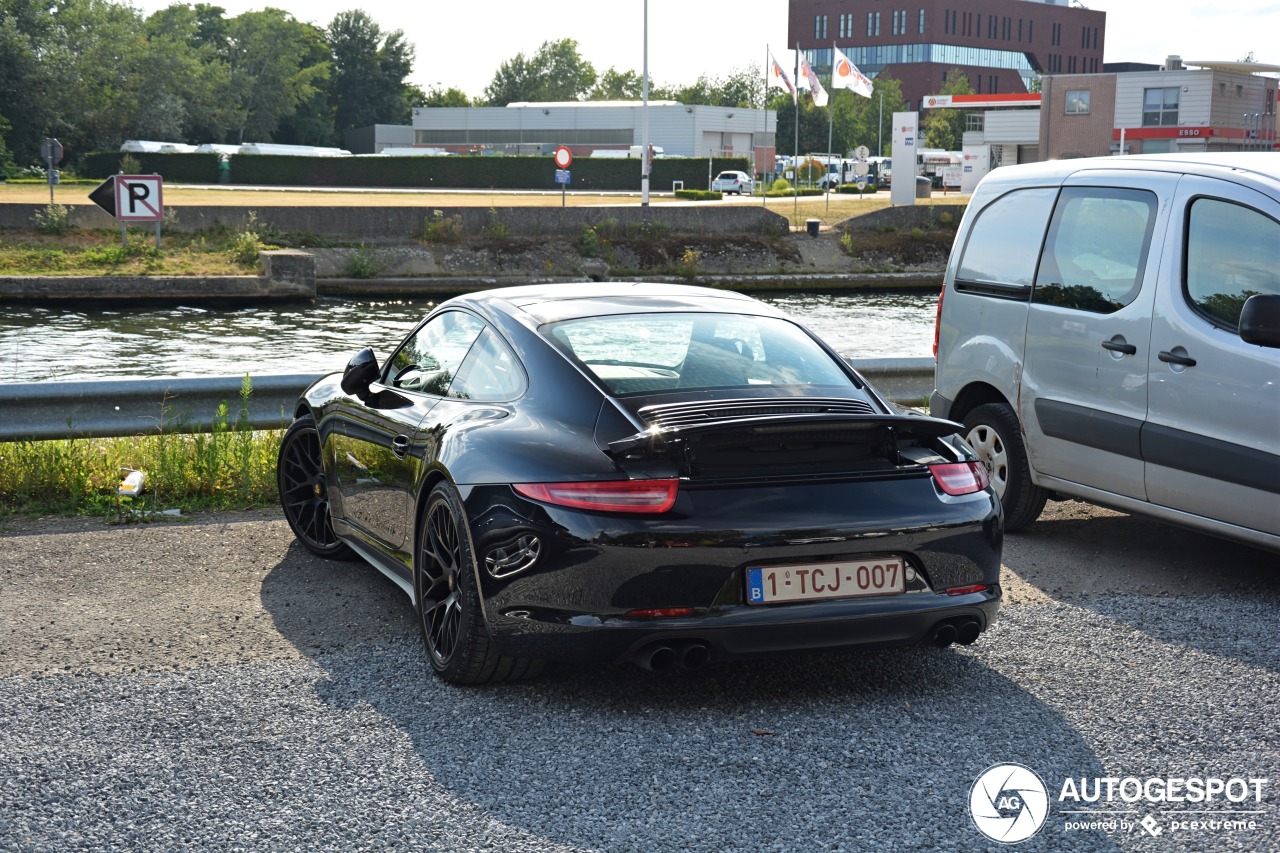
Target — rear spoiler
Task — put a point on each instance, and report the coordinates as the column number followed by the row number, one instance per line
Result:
column 902, row 426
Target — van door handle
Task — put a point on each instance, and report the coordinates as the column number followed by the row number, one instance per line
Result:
column 1127, row 349
column 400, row 446
column 1169, row 358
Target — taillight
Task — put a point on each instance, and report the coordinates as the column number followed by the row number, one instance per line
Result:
column 607, row 496
column 937, row 322
column 960, row 478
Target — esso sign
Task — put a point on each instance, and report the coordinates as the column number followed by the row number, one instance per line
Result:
column 563, row 157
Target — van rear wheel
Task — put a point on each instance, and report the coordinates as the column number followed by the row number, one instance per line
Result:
column 993, row 432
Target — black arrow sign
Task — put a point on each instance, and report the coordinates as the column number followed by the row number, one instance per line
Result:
column 104, row 195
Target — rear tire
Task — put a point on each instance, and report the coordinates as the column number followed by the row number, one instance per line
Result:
column 448, row 605
column 994, row 433
column 304, row 492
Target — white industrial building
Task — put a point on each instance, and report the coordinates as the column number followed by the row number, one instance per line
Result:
column 587, row 127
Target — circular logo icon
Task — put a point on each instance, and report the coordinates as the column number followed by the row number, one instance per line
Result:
column 1008, row 803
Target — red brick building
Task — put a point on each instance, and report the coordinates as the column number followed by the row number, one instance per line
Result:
column 1002, row 45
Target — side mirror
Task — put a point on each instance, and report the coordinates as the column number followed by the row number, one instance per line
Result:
column 361, row 371
column 1260, row 320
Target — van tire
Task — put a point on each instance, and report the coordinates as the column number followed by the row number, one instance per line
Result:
column 994, row 433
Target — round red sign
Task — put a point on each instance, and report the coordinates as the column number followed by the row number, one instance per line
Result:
column 563, row 157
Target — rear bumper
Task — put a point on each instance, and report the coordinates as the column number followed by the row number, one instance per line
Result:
column 585, row 574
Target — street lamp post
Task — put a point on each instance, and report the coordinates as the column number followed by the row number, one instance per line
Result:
column 644, row 116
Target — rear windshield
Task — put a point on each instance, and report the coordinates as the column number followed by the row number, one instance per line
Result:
column 646, row 353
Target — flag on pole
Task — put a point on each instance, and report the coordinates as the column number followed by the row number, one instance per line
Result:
column 779, row 78
column 815, row 88
column 845, row 75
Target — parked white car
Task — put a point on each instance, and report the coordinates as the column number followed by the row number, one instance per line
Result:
column 1109, row 330
column 732, row 182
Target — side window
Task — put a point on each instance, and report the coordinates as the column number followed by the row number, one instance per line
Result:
column 428, row 360
column 1005, row 239
column 1096, row 250
column 1232, row 252
column 489, row 373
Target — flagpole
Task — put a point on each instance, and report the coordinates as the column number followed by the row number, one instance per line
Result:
column 764, row 113
column 795, row 157
column 831, row 113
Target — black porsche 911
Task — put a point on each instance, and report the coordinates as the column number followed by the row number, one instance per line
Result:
column 662, row 474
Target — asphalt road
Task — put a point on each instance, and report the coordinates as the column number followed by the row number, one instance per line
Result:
column 209, row 685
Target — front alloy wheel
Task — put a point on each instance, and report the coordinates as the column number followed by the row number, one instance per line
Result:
column 304, row 493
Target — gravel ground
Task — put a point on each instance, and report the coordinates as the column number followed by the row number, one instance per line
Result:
column 211, row 686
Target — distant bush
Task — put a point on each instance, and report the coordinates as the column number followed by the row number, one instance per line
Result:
column 699, row 195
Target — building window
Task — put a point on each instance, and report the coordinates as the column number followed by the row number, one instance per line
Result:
column 921, row 26
column 1160, row 107
column 820, row 26
column 1055, row 34
column 1077, row 102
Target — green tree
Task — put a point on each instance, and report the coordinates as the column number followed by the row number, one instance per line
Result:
column 557, row 72
column 367, row 83
column 615, row 85
column 23, row 82
column 944, row 128
column 273, row 70
column 190, row 77
column 437, row 97
column 741, row 88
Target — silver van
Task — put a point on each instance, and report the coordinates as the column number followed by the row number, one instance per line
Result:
column 1109, row 330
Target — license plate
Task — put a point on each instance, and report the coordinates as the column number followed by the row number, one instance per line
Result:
column 818, row 581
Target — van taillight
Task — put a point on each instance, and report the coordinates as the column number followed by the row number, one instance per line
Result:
column 937, row 322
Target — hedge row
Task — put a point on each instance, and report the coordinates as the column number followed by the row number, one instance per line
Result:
column 501, row 173
column 178, row 168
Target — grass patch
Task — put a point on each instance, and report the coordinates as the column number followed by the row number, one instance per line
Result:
column 98, row 252
column 231, row 467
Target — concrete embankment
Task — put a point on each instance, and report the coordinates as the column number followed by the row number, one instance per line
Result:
column 738, row 247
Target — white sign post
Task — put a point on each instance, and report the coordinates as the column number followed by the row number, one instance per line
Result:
column 905, row 133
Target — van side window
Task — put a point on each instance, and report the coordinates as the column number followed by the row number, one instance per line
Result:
column 1097, row 248
column 1005, row 239
column 1232, row 252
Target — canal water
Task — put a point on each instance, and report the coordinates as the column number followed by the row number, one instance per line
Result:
column 39, row 343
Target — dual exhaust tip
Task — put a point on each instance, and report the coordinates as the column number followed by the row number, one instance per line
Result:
column 963, row 631
column 663, row 657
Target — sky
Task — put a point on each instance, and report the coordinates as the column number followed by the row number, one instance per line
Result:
column 461, row 46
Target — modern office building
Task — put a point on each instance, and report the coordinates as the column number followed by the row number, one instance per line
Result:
column 1001, row 45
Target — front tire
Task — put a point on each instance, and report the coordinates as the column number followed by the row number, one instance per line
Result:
column 447, row 603
column 304, row 492
column 992, row 430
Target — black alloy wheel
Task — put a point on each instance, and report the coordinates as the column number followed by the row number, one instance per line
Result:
column 304, row 494
column 448, row 604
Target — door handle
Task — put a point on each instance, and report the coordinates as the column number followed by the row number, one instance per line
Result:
column 1127, row 349
column 1169, row 358
column 400, row 446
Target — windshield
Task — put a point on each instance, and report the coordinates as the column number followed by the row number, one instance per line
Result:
column 644, row 353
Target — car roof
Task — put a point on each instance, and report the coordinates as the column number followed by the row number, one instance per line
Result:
column 549, row 303
column 1258, row 169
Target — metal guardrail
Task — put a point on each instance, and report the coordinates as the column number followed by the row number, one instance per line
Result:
column 100, row 409
column 121, row 407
